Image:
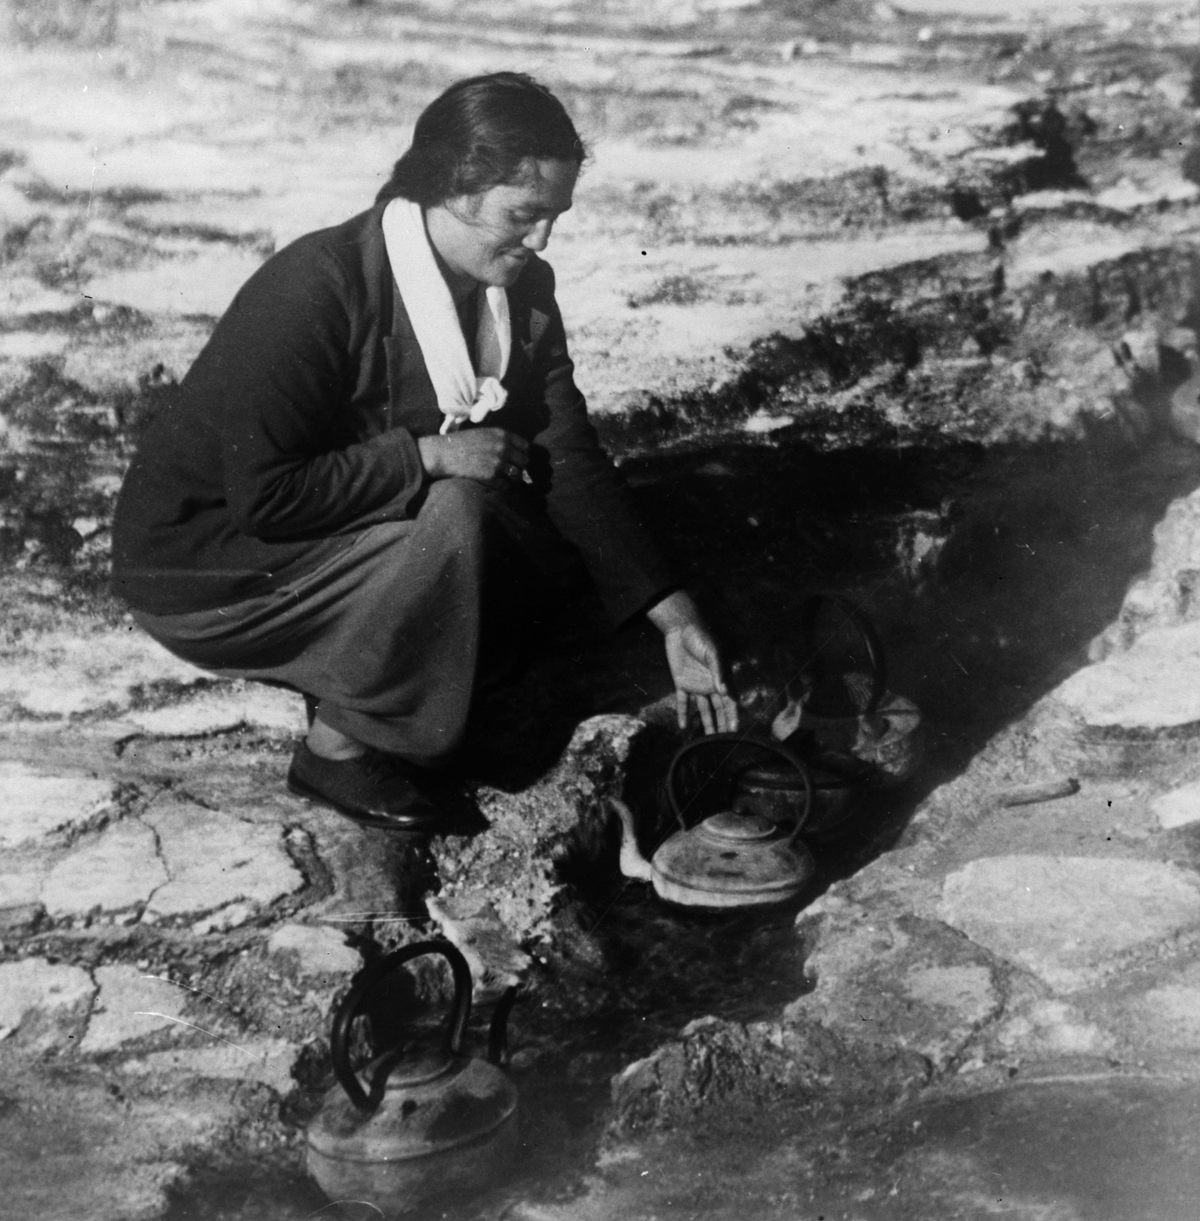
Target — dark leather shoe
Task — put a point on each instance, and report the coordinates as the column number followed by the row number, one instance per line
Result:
column 373, row 789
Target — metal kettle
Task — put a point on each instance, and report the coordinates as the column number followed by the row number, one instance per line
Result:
column 424, row 1120
column 854, row 733
column 735, row 856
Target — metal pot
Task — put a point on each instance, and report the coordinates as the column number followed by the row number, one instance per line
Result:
column 424, row 1119
column 836, row 791
column 846, row 719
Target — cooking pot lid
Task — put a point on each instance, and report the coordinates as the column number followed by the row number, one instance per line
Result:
column 824, row 772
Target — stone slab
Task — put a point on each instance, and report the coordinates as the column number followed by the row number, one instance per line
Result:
column 231, row 916
column 1163, row 596
column 65, row 673
column 75, row 1145
column 18, row 920
column 1153, row 686
column 205, row 283
column 1178, row 808
column 114, row 870
column 33, row 805
column 33, row 345
column 1155, row 1014
column 268, row 1061
column 1169, row 1016
column 21, row 882
column 1069, row 919
column 130, row 1005
column 317, row 951
column 16, row 207
column 34, row 985
column 909, row 983
column 222, row 709
column 469, row 921
column 214, row 859
column 1047, row 1028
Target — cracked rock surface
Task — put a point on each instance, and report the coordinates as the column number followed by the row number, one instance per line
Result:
column 888, row 303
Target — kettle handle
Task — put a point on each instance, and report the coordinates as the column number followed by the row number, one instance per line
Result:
column 369, row 978
column 866, row 631
column 733, row 741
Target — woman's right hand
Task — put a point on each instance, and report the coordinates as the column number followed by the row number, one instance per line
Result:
column 491, row 455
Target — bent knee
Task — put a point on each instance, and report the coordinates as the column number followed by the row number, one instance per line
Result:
column 452, row 520
column 465, row 498
column 456, row 510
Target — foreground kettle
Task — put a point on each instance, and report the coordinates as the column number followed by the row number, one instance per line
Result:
column 735, row 857
column 427, row 1120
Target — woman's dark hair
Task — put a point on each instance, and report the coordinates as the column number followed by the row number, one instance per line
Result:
column 475, row 136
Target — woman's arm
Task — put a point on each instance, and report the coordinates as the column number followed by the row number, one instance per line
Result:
column 695, row 664
column 284, row 365
column 586, row 496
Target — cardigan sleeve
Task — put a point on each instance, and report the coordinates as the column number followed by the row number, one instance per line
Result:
column 587, row 498
column 282, row 366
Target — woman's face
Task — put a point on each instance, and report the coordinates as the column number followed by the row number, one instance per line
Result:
column 487, row 238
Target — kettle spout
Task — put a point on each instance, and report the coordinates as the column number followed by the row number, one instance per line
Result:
column 631, row 861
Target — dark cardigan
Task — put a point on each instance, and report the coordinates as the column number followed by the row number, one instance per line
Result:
column 298, row 421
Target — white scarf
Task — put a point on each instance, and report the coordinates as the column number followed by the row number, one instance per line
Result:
column 461, row 395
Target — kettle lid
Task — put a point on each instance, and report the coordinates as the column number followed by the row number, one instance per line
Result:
column 728, row 825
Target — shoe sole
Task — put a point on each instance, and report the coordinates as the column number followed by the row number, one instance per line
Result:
column 412, row 822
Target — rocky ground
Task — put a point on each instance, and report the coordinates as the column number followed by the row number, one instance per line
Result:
column 882, row 301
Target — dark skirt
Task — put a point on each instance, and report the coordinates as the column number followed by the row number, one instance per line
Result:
column 395, row 632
